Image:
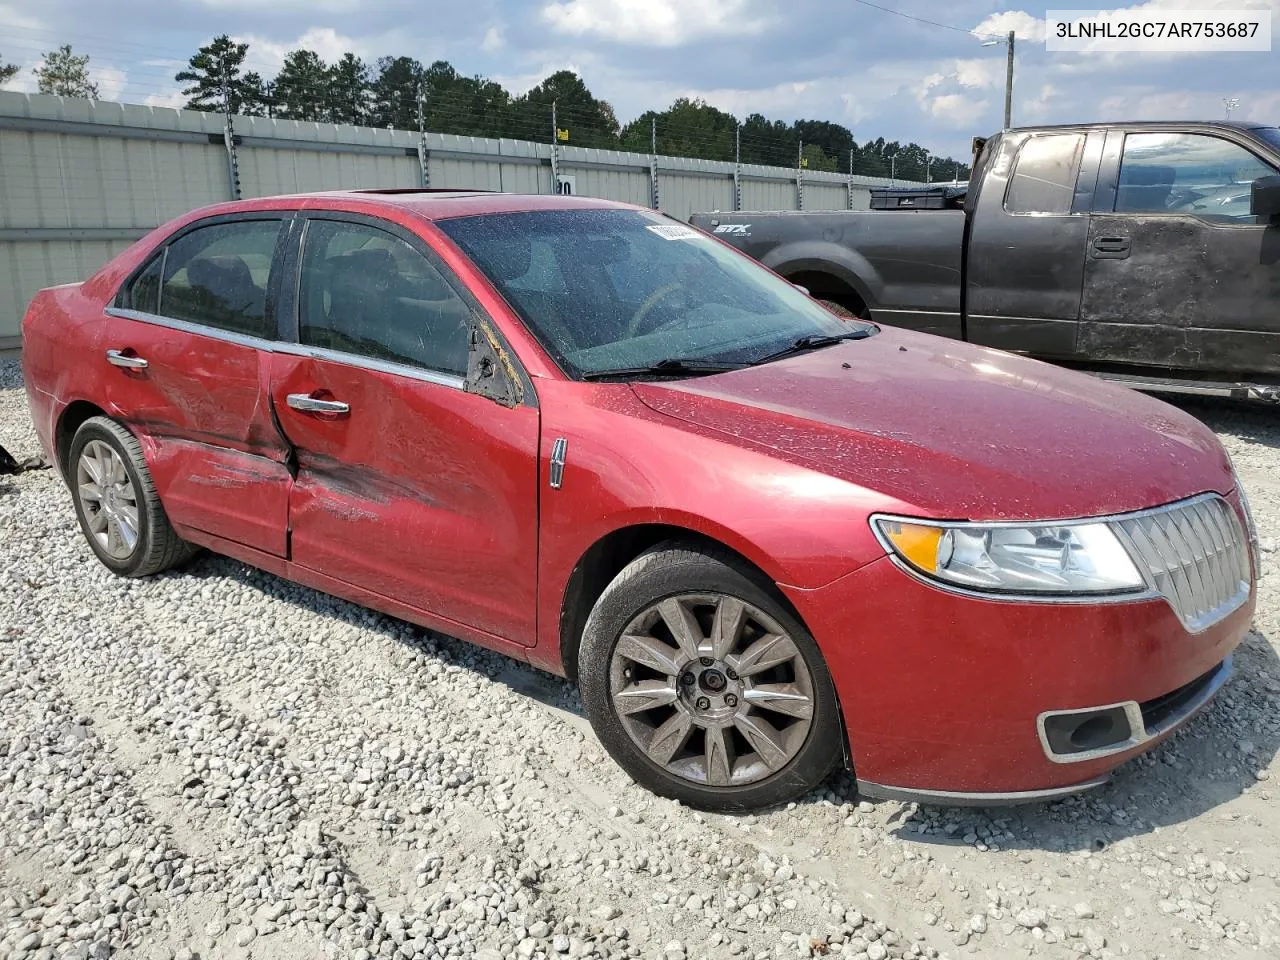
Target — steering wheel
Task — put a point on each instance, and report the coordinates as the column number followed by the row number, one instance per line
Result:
column 651, row 301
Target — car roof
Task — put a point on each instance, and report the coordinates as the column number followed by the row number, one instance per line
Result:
column 1149, row 125
column 426, row 203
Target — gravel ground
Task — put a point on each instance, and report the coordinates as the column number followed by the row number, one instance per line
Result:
column 217, row 763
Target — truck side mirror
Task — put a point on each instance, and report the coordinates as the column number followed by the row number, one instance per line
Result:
column 1265, row 202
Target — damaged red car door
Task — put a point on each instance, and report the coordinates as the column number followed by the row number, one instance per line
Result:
column 187, row 346
column 407, row 486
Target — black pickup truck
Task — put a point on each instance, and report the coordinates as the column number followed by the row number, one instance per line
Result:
column 1148, row 253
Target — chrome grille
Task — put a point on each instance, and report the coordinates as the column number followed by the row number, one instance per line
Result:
column 1194, row 554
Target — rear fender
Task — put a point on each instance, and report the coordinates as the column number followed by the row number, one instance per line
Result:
column 820, row 256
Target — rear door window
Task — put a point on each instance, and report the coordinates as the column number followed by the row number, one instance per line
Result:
column 1044, row 175
column 217, row 276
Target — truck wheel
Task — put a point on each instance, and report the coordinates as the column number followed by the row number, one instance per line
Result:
column 704, row 687
column 116, row 502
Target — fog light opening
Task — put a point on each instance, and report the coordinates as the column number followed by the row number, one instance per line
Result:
column 1097, row 731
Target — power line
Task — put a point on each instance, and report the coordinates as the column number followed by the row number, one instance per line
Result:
column 915, row 19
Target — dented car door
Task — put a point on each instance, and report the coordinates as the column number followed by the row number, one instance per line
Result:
column 408, row 485
column 188, row 341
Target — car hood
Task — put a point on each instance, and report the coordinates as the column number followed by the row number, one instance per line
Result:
column 958, row 431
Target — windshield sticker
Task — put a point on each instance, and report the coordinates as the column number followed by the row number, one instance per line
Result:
column 675, row 231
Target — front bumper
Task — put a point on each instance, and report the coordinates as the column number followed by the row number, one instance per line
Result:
column 943, row 694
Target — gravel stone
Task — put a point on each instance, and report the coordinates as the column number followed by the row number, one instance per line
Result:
column 216, row 755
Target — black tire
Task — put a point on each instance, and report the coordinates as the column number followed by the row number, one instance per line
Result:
column 840, row 310
column 672, row 569
column 158, row 547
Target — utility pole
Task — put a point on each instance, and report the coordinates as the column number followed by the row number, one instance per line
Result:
column 229, row 136
column 423, row 159
column 1008, row 85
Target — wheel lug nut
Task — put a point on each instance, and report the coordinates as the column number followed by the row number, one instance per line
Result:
column 687, row 679
column 730, row 700
column 731, row 674
column 706, row 661
column 703, row 703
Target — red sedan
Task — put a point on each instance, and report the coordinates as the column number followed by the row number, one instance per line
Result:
column 765, row 540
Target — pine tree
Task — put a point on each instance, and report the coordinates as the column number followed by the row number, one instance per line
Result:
column 214, row 75
column 7, row 70
column 395, row 92
column 66, row 75
column 349, row 91
column 300, row 91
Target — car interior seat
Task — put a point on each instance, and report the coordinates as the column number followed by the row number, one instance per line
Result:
column 223, row 294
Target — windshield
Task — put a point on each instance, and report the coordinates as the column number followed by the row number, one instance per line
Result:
column 626, row 289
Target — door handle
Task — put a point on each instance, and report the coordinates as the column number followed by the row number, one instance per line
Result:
column 306, row 403
column 128, row 362
column 1111, row 248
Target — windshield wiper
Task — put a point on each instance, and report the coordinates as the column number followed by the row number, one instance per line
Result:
column 671, row 366
column 811, row 342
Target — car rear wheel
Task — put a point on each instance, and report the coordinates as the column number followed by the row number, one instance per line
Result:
column 704, row 687
column 116, row 502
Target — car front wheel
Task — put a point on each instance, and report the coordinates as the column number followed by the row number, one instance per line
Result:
column 704, row 687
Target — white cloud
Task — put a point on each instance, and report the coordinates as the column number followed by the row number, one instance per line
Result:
column 1024, row 25
column 519, row 84
column 493, row 40
column 657, row 23
column 267, row 56
column 111, row 80
column 10, row 16
column 304, row 6
column 957, row 110
column 174, row 98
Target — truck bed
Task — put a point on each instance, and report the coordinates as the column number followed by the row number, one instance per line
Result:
column 900, row 267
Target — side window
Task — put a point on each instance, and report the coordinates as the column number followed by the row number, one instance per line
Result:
column 217, row 276
column 1187, row 173
column 143, row 294
column 367, row 292
column 1044, row 175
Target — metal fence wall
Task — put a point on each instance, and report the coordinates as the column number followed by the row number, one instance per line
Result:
column 80, row 180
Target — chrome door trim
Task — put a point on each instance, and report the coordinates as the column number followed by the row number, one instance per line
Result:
column 558, row 452
column 309, row 404
column 293, row 349
column 118, row 359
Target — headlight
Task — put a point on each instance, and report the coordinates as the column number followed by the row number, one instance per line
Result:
column 1036, row 559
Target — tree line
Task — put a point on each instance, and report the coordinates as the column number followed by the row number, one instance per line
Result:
column 400, row 93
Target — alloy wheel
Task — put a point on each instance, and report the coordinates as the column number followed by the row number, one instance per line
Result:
column 108, row 499
column 712, row 689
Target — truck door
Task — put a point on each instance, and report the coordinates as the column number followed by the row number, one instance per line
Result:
column 1180, row 275
column 1029, row 227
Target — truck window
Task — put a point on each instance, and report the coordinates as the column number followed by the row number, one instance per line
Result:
column 1044, row 175
column 1187, row 173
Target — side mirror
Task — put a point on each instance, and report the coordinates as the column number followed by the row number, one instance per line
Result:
column 488, row 371
column 1265, row 201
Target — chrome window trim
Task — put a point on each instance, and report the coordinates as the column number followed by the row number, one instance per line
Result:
column 439, row 378
column 880, row 791
column 187, row 326
column 1139, row 733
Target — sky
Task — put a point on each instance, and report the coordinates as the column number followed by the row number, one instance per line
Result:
column 840, row 60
